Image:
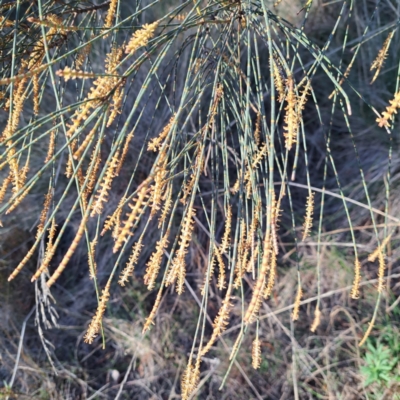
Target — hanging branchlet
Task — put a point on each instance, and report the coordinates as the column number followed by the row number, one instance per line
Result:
column 95, row 324
column 381, row 57
column 308, row 219
column 130, row 266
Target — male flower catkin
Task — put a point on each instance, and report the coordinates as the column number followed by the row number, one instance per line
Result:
column 309, row 216
column 94, row 327
column 178, row 268
column 256, row 354
column 388, row 114
column 141, row 37
column 381, row 57
column 130, row 266
column 291, row 126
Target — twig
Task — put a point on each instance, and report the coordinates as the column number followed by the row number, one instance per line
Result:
column 21, row 340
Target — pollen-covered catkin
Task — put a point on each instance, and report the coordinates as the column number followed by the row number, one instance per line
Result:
column 141, row 37
column 388, row 114
column 105, row 186
column 308, row 220
column 296, row 308
column 150, row 318
column 226, row 238
column 375, row 254
column 291, row 126
column 317, row 320
column 130, row 266
column 136, row 209
column 154, row 264
column 381, row 57
column 157, row 142
column 355, row 290
column 178, row 267
column 221, row 321
column 95, row 324
column 256, row 353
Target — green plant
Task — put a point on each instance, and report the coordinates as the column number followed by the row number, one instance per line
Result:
column 381, row 366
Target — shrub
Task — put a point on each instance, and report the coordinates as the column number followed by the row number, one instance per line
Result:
column 196, row 123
